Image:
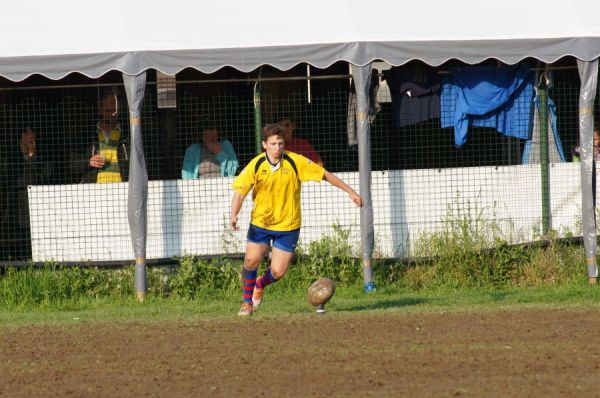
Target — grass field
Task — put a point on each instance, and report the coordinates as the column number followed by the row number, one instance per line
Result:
column 513, row 321
column 285, row 302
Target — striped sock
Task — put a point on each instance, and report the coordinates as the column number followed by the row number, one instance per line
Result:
column 248, row 283
column 266, row 279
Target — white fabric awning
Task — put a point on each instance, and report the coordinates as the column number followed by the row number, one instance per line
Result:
column 64, row 36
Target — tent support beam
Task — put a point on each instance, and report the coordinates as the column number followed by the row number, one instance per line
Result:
column 588, row 74
column 544, row 157
column 362, row 81
column 137, row 195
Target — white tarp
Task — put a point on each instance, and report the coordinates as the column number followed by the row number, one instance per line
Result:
column 63, row 36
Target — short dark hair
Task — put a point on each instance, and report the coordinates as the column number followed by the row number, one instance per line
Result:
column 272, row 129
column 110, row 91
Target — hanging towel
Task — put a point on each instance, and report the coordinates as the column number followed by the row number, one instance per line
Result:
column 488, row 96
column 531, row 152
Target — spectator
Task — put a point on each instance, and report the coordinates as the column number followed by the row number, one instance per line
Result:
column 31, row 170
column 107, row 153
column 28, row 167
column 298, row 145
column 213, row 157
column 576, row 149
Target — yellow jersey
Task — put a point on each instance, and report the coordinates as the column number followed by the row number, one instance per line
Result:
column 109, row 151
column 276, row 193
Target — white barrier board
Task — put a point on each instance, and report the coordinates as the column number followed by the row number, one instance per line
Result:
column 89, row 221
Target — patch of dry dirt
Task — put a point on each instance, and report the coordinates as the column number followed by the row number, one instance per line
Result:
column 529, row 353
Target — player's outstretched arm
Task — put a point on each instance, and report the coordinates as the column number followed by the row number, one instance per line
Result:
column 236, row 205
column 336, row 182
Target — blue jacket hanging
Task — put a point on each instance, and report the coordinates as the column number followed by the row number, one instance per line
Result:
column 488, row 96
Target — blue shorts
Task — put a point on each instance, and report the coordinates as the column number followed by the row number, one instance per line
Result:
column 283, row 240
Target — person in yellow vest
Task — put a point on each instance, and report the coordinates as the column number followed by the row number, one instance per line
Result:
column 274, row 177
column 108, row 153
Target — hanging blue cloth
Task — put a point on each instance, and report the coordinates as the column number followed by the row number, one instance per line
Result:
column 488, row 96
column 555, row 150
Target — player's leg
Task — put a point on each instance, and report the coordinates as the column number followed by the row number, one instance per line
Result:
column 255, row 253
column 284, row 244
column 280, row 263
column 256, row 248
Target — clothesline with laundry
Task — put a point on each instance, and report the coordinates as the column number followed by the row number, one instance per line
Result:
column 500, row 97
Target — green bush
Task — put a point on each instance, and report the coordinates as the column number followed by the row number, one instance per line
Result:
column 331, row 257
column 53, row 284
column 465, row 253
column 196, row 277
column 471, row 252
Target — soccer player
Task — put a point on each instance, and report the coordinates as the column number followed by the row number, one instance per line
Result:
column 275, row 176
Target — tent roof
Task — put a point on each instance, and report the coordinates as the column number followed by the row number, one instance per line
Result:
column 64, row 36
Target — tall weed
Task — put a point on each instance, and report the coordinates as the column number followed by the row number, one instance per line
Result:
column 331, row 256
column 470, row 251
column 197, row 277
column 55, row 284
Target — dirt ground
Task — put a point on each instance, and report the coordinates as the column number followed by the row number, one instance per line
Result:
column 527, row 353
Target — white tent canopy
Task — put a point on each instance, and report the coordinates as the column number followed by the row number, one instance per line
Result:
column 64, row 36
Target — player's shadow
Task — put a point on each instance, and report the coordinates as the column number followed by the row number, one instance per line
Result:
column 385, row 304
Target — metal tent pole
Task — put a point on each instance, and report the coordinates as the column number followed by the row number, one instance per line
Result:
column 588, row 74
column 362, row 82
column 137, row 196
column 544, row 157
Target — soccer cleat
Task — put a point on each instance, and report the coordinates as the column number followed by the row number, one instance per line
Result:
column 246, row 309
column 370, row 287
column 257, row 297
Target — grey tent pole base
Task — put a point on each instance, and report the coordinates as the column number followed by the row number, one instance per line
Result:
column 140, row 278
column 592, row 272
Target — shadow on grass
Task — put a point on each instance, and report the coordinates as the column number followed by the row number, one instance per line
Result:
column 385, row 304
column 500, row 295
